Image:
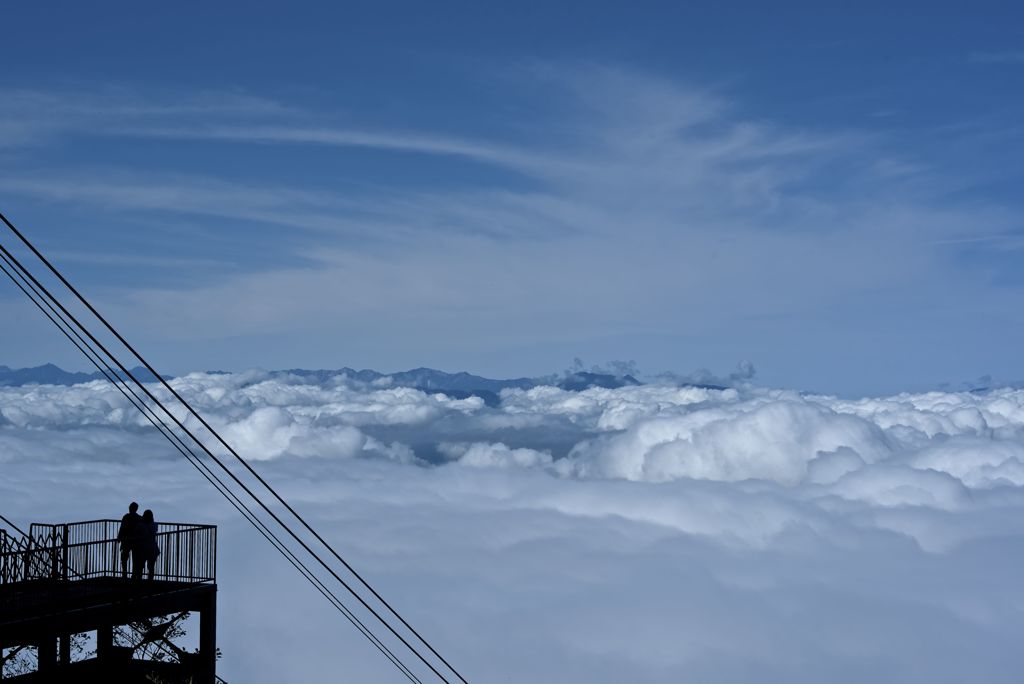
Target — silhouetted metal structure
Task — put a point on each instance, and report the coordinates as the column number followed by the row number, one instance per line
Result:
column 63, row 580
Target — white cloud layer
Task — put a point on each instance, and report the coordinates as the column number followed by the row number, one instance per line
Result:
column 648, row 534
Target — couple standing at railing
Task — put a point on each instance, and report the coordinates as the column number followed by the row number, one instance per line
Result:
column 137, row 536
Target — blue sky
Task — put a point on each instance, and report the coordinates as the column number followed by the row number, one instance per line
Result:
column 829, row 193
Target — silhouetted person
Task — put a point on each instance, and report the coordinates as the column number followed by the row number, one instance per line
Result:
column 146, row 550
column 127, row 535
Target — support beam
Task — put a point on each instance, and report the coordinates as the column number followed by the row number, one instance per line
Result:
column 208, row 640
column 65, row 649
column 104, row 641
column 47, row 654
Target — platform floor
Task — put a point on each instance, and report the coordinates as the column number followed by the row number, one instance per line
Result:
column 45, row 607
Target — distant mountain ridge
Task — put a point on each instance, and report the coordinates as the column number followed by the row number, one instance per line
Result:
column 458, row 385
column 49, row 374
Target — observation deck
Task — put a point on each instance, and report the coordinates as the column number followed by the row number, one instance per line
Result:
column 62, row 595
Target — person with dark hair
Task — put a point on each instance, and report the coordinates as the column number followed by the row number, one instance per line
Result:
column 127, row 535
column 146, row 550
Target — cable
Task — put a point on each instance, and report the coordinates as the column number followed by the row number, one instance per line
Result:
column 204, row 470
column 248, row 467
column 13, row 526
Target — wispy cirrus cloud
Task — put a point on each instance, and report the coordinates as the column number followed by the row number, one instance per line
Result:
column 211, row 197
column 644, row 206
column 340, row 137
column 29, row 117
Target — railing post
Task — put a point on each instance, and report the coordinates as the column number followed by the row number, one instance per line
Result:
column 64, row 554
column 54, row 558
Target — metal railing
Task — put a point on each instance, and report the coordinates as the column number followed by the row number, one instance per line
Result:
column 84, row 550
column 20, row 560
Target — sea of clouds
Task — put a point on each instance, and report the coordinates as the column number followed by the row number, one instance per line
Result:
column 651, row 533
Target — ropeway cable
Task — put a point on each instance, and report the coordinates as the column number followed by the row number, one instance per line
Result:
column 307, row 573
column 165, row 430
column 248, row 467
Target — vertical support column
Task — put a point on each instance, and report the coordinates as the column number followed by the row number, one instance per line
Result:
column 104, row 651
column 65, row 649
column 207, row 670
column 104, row 641
column 47, row 653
